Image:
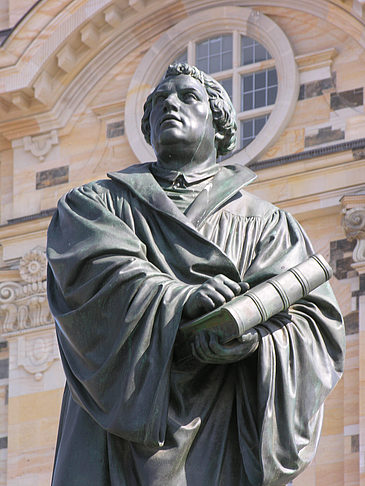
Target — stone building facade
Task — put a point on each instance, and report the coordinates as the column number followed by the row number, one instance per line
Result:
column 73, row 77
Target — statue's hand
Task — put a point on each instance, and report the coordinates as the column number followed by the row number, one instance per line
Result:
column 207, row 349
column 212, row 294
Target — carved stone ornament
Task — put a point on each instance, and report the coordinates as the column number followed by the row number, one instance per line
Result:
column 40, row 145
column 24, row 305
column 33, row 266
column 353, row 222
column 37, row 353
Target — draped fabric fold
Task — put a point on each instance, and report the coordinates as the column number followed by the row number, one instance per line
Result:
column 122, row 263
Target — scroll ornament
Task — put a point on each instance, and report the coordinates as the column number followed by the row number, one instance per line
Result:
column 24, row 314
column 24, row 304
column 354, row 226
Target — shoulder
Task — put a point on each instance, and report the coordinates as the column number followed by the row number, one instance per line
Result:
column 248, row 205
column 112, row 184
column 102, row 190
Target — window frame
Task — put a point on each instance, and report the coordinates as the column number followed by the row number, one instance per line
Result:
column 203, row 25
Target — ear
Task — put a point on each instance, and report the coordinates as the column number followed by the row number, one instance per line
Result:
column 218, row 138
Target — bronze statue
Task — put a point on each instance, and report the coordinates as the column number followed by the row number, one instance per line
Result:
column 133, row 257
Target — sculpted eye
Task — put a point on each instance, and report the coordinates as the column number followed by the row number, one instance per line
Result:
column 190, row 96
column 158, row 98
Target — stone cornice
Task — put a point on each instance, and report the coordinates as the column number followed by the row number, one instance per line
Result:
column 31, row 224
column 308, row 154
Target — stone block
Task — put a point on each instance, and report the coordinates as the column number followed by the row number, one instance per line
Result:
column 352, row 322
column 315, row 88
column 4, row 368
column 52, row 177
column 324, row 135
column 347, row 99
column 355, row 443
column 341, row 258
column 115, row 129
column 90, row 35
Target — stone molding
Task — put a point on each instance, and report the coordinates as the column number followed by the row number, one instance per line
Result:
column 353, row 222
column 36, row 352
column 23, row 305
column 40, row 145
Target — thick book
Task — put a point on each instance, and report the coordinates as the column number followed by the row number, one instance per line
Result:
column 257, row 305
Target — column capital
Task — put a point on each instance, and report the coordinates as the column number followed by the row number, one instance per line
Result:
column 23, row 304
column 353, row 222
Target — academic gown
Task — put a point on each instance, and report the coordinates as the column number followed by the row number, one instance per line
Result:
column 123, row 260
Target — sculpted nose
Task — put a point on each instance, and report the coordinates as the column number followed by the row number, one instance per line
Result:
column 171, row 102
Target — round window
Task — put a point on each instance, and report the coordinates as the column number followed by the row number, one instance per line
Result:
column 247, row 53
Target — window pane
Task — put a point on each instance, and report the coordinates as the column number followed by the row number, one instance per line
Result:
column 215, row 45
column 259, row 124
column 247, row 101
column 248, row 128
column 214, row 64
column 260, row 80
column 203, row 65
column 248, row 82
column 227, row 43
column 271, row 95
column 202, row 49
column 260, row 53
column 251, row 128
column 252, row 51
column 226, row 61
column 272, row 77
column 246, row 41
column 227, row 85
column 218, row 51
column 247, row 56
column 260, row 98
column 262, row 88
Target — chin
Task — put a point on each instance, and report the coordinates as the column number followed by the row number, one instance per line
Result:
column 171, row 137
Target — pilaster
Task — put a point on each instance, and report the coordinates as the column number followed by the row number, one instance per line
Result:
column 353, row 221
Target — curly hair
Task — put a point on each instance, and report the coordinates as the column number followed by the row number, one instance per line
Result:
column 224, row 115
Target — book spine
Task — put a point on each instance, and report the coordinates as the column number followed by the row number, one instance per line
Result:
column 264, row 301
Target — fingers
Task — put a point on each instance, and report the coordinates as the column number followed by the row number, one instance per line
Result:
column 220, row 289
column 212, row 294
column 244, row 287
column 207, row 349
column 209, row 302
column 225, row 285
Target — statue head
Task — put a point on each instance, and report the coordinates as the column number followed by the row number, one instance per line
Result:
column 220, row 106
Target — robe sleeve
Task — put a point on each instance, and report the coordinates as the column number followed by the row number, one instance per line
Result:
column 299, row 361
column 116, row 317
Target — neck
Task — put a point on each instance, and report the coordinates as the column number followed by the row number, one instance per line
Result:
column 183, row 162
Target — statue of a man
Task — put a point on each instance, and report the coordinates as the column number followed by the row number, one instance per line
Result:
column 131, row 258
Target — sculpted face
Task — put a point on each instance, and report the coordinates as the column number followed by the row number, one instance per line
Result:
column 181, row 116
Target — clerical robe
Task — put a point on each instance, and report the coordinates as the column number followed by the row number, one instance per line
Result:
column 123, row 260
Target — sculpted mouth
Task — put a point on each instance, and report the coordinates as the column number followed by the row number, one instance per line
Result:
column 170, row 118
